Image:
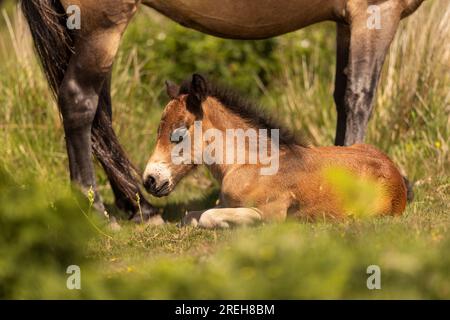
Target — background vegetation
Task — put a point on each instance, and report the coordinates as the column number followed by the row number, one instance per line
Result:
column 45, row 227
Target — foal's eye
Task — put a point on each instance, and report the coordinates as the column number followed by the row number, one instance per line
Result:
column 178, row 135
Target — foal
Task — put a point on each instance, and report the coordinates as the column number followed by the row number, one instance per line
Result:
column 200, row 114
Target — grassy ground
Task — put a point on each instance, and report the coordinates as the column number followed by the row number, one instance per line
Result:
column 41, row 224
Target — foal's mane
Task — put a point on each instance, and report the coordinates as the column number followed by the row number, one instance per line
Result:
column 255, row 115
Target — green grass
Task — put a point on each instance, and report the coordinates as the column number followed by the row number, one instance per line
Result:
column 43, row 229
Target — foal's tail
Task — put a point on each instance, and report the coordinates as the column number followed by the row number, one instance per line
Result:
column 409, row 190
column 53, row 41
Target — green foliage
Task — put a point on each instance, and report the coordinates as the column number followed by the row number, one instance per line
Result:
column 286, row 261
column 360, row 197
column 175, row 52
column 41, row 234
column 300, row 261
column 39, row 240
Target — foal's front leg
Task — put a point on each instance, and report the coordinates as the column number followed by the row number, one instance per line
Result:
column 222, row 218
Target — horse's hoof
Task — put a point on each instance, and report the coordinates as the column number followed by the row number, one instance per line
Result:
column 113, row 225
column 147, row 214
column 155, row 221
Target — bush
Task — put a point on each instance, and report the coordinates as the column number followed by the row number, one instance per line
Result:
column 173, row 52
column 40, row 236
column 177, row 52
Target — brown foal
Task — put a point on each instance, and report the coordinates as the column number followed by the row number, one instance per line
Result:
column 298, row 187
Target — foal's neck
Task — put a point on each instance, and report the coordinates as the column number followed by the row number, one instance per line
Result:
column 219, row 117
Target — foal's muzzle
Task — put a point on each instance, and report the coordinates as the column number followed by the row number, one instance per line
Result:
column 158, row 179
column 157, row 187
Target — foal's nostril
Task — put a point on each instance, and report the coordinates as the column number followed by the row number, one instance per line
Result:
column 150, row 183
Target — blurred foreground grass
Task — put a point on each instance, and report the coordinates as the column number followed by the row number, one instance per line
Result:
column 40, row 239
column 44, row 230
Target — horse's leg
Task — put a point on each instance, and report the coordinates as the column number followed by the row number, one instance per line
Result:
column 222, row 218
column 368, row 48
column 121, row 173
column 95, row 46
column 340, row 86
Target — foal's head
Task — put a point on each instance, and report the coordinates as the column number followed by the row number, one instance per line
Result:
column 163, row 171
column 197, row 111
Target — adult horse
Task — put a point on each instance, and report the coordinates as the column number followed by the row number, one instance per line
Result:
column 78, row 64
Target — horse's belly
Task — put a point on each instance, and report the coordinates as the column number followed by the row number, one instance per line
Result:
column 246, row 19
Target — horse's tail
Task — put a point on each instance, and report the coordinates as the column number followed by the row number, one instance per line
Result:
column 409, row 190
column 52, row 39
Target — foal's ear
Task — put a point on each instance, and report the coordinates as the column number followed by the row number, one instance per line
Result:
column 172, row 89
column 199, row 87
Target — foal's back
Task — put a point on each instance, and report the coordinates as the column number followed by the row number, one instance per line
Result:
column 362, row 161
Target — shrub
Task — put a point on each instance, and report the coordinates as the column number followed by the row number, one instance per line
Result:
column 40, row 236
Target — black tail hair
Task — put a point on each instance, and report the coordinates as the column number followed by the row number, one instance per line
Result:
column 52, row 40
column 54, row 44
column 409, row 190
